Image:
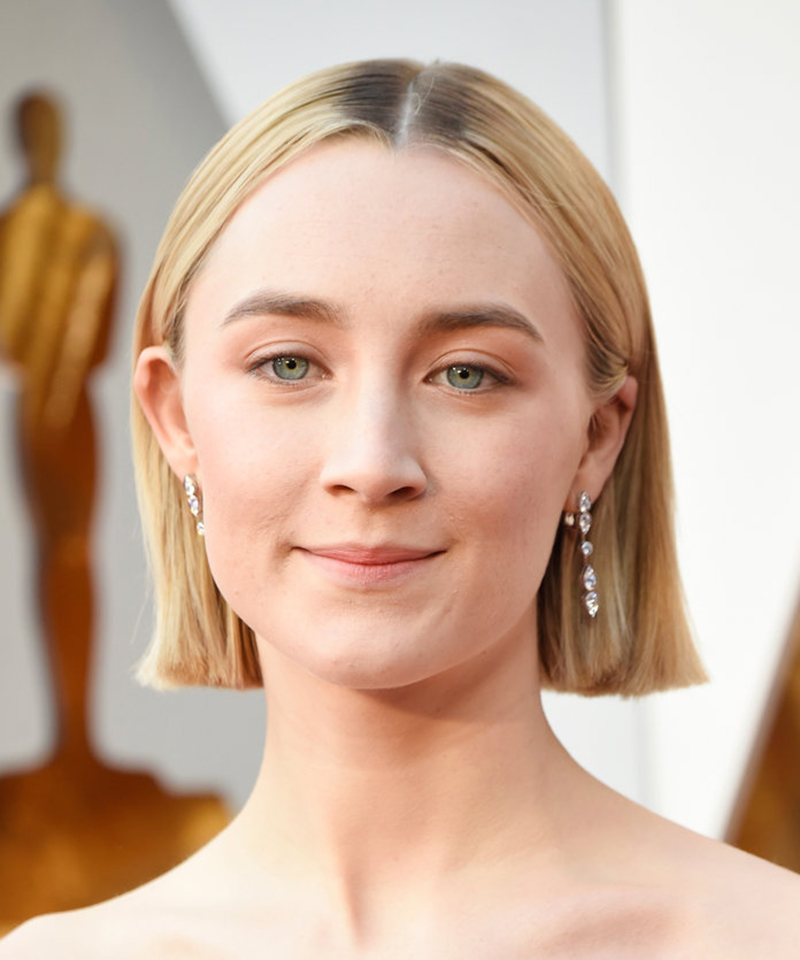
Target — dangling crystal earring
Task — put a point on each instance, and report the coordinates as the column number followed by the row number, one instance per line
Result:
column 590, row 599
column 192, row 496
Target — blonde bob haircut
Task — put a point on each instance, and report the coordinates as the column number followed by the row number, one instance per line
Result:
column 640, row 641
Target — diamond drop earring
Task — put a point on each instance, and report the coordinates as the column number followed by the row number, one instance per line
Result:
column 583, row 521
column 193, row 498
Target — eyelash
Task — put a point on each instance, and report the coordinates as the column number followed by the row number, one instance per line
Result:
column 262, row 368
column 498, row 379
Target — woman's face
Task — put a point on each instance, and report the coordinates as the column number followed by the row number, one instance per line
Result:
column 385, row 406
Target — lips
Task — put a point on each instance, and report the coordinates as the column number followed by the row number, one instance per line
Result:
column 361, row 565
column 371, row 556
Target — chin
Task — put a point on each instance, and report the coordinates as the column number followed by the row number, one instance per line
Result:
column 373, row 672
column 371, row 663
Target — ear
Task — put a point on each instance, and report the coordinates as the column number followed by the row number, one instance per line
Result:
column 158, row 388
column 607, row 432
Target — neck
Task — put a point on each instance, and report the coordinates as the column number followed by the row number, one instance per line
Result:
column 394, row 793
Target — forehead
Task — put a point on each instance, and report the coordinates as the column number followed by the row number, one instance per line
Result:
column 353, row 221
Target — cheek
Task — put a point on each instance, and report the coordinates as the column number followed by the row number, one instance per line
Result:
column 255, row 470
column 517, row 493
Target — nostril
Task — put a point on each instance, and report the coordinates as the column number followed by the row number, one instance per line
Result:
column 403, row 493
column 376, row 492
column 376, row 487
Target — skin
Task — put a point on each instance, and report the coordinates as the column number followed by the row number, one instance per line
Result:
column 413, row 800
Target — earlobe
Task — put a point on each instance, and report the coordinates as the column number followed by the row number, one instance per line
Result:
column 158, row 389
column 609, row 428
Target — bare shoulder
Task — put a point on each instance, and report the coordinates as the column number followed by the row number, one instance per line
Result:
column 61, row 935
column 699, row 897
column 133, row 926
column 178, row 914
column 124, row 930
column 749, row 907
column 90, row 933
column 730, row 903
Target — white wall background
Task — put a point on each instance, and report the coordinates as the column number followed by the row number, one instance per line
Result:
column 708, row 147
column 701, row 148
column 555, row 51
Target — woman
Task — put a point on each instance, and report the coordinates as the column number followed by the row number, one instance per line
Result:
column 402, row 458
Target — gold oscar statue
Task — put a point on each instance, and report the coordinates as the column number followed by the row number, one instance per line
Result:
column 74, row 831
column 766, row 816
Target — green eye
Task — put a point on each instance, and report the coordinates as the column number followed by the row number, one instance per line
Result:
column 290, row 368
column 462, row 376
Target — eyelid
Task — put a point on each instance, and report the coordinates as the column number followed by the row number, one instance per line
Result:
column 499, row 377
column 259, row 365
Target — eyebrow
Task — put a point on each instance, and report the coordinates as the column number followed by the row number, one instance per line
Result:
column 266, row 302
column 479, row 315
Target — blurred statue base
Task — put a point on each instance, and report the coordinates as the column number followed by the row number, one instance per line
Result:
column 75, row 832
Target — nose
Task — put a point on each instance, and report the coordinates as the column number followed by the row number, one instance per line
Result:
column 371, row 451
